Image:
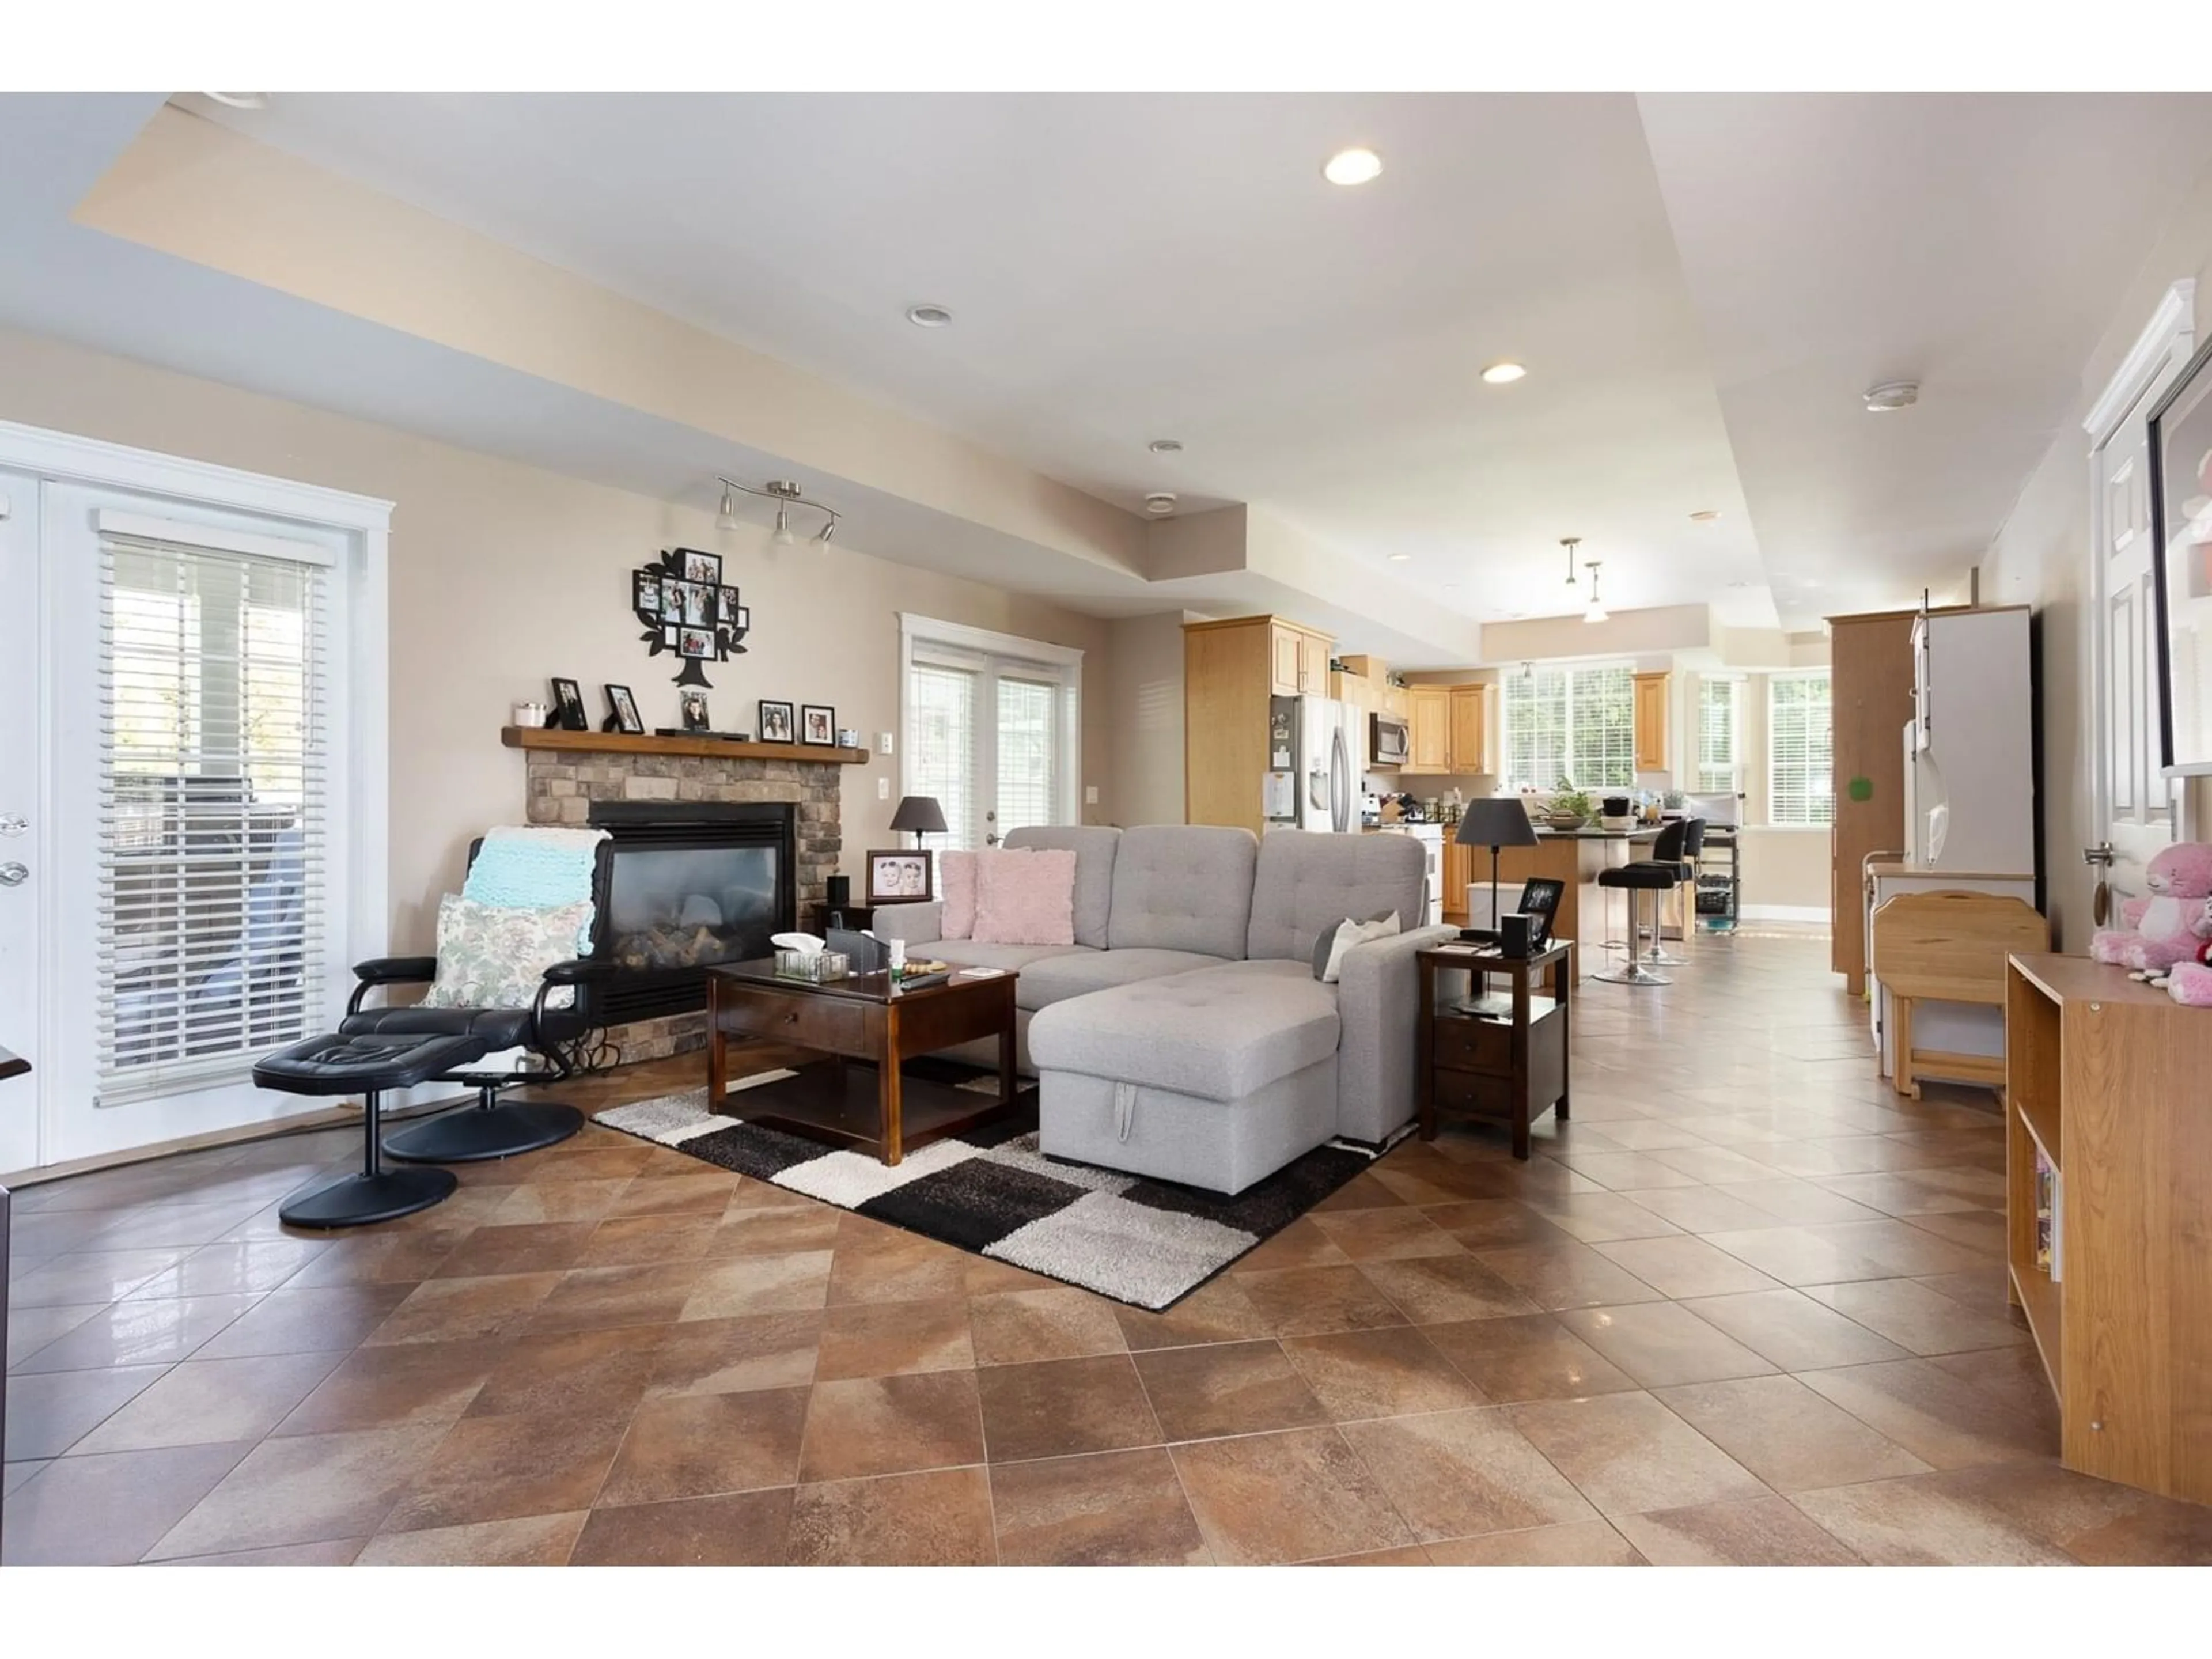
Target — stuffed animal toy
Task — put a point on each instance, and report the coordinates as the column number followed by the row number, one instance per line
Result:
column 2162, row 929
column 2189, row 984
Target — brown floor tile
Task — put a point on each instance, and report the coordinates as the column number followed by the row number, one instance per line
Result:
column 879, row 1338
column 1304, row 1243
column 1788, row 1436
column 1383, row 1233
column 1938, row 1418
column 1380, row 1373
column 168, row 1224
column 1915, row 1521
column 1299, row 1496
column 1443, row 1290
column 559, row 1200
column 139, row 1334
column 1409, row 1555
column 1308, row 1301
column 695, row 1445
column 1019, row 1326
column 30, row 1329
column 1659, row 1343
column 534, row 1246
column 247, row 1267
column 607, row 1298
column 1599, row 1216
column 1705, row 1209
column 13, row 1475
column 307, row 1490
column 379, row 1258
column 1531, row 1358
column 1790, row 1330
column 780, row 1230
column 891, row 1424
column 1232, row 1388
column 406, row 1383
column 1484, row 1223
column 457, row 1309
column 306, row 1321
column 574, row 1375
column 108, row 1511
column 1122, row 1509
column 1899, row 1248
column 534, row 1540
column 2014, row 1376
column 761, row 1284
column 1755, row 1532
column 701, row 1190
column 650, row 1239
column 2095, row 1522
column 1917, row 1318
column 1629, row 1172
column 736, row 1530
column 1579, row 1544
column 49, row 1411
column 729, row 1356
column 1362, row 1192
column 501, row 1468
column 1061, row 1407
column 329, row 1553
column 938, row 1519
column 1571, row 1275
column 1456, row 1474
column 1217, row 1311
column 1797, row 1255
column 1627, row 1453
column 1684, row 1266
column 208, row 1402
column 1982, row 1231
column 880, row 1264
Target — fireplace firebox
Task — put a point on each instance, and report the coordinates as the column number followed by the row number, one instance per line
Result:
column 689, row 886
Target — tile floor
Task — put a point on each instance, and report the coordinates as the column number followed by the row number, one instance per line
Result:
column 1747, row 1307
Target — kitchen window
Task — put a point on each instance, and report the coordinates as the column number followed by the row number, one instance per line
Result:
column 1800, row 751
column 1577, row 723
column 1719, row 734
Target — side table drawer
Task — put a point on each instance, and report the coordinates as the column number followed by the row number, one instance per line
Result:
column 809, row 1022
column 1473, row 1045
column 1475, row 1093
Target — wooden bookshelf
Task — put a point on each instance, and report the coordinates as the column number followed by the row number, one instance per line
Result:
column 2108, row 1078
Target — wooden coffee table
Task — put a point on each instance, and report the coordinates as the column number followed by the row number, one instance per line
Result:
column 864, row 1019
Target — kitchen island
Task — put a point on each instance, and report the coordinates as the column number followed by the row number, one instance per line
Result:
column 1574, row 858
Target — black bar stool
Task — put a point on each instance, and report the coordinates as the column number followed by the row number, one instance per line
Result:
column 1654, row 876
column 1693, row 842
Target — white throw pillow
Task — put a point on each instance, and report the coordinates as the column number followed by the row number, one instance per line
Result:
column 1349, row 933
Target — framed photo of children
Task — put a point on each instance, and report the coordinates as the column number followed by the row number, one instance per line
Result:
column 899, row 877
column 775, row 722
column 817, row 725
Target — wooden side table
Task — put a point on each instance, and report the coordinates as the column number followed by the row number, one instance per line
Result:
column 1507, row 1062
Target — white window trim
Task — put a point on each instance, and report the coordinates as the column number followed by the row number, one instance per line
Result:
column 1767, row 691
column 1739, row 680
column 1068, row 659
column 1570, row 666
column 364, row 523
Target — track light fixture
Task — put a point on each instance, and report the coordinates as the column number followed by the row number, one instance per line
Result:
column 1596, row 613
column 785, row 495
column 1571, row 543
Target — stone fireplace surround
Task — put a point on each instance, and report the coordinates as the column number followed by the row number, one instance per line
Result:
column 567, row 771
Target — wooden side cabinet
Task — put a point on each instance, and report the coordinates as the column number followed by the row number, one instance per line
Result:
column 1650, row 710
column 1500, row 1057
column 2110, row 1257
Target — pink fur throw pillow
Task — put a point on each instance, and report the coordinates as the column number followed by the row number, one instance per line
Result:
column 956, row 885
column 1025, row 897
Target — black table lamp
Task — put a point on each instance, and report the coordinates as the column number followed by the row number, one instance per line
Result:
column 921, row 814
column 1495, row 821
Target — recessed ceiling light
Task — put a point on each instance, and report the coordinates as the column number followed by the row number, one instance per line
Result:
column 1739, row 584
column 1351, row 167
column 1503, row 373
column 1891, row 394
column 1705, row 515
column 1400, row 558
column 926, row 316
column 1160, row 503
column 1165, row 445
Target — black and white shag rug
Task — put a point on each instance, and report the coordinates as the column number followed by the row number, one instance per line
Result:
column 991, row 1192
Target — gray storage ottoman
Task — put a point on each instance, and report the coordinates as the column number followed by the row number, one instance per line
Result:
column 1214, row 1078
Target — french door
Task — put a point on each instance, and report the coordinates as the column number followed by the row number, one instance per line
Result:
column 991, row 731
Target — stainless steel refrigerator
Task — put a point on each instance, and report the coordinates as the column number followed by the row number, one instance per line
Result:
column 1313, row 777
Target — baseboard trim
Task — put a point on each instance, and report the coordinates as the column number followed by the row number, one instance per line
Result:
column 1786, row 913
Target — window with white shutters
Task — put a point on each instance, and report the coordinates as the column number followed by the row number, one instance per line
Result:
column 215, row 743
column 1718, row 700
column 1800, row 749
column 1575, row 723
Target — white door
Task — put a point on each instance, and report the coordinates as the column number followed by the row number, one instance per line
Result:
column 991, row 734
column 2133, row 804
column 22, row 820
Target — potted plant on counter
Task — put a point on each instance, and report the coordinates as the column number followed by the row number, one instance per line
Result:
column 1570, row 808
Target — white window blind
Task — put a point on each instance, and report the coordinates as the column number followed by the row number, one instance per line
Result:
column 987, row 734
column 940, row 746
column 215, row 741
column 1800, row 749
column 1575, row 723
column 1716, row 735
column 1029, row 733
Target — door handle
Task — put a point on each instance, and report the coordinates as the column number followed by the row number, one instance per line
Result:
column 2101, row 855
column 13, row 874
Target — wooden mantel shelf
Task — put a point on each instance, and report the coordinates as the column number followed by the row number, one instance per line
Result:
column 623, row 742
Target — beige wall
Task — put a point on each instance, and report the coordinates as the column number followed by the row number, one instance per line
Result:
column 1143, row 692
column 2041, row 557
column 502, row 575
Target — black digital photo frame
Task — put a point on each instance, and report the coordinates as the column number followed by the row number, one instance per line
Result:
column 1540, row 902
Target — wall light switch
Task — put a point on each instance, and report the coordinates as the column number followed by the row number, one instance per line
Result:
column 883, row 788
column 1090, row 794
column 882, row 743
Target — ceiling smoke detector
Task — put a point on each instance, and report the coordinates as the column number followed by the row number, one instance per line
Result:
column 1160, row 503
column 929, row 316
column 1165, row 445
column 1892, row 394
column 1705, row 515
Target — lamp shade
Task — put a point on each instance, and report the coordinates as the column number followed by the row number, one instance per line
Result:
column 1497, row 820
column 923, row 815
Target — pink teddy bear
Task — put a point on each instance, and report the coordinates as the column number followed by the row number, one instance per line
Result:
column 2191, row 983
column 2169, row 926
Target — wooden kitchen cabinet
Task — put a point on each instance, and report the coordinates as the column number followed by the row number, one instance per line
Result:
column 1428, row 718
column 1651, row 721
column 1299, row 656
column 1469, row 729
column 1459, row 875
column 1230, row 670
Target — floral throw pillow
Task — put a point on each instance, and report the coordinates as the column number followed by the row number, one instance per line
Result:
column 495, row 955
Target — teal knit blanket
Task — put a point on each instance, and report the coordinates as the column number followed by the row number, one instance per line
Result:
column 533, row 868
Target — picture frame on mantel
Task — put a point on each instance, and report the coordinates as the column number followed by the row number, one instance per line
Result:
column 817, row 725
column 569, row 706
column 776, row 722
column 622, row 713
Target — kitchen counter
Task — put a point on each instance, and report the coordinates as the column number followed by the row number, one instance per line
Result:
column 1650, row 832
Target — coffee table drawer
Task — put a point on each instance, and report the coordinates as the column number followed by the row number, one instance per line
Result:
column 810, row 1022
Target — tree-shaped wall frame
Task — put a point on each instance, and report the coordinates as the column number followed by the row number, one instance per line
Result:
column 689, row 613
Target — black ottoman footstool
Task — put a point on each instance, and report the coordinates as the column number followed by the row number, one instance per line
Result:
column 366, row 1066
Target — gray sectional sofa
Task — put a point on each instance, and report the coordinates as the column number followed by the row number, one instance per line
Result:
column 1183, row 1036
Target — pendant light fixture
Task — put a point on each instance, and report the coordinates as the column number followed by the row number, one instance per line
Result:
column 1571, row 543
column 1596, row 613
column 725, row 516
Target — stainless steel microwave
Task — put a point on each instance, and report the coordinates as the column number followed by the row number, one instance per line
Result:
column 1386, row 740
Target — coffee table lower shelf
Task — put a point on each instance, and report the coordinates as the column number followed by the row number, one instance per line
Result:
column 839, row 1102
